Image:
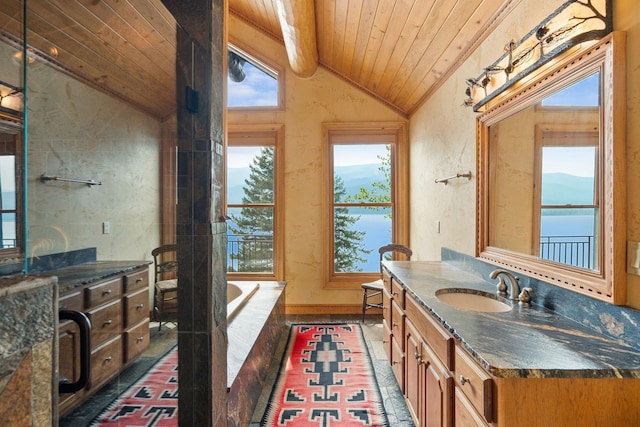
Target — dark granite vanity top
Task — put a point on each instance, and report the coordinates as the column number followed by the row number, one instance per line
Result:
column 531, row 342
column 82, row 274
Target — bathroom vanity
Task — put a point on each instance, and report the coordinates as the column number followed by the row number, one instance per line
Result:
column 524, row 366
column 114, row 296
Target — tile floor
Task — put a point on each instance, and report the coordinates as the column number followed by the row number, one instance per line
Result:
column 394, row 402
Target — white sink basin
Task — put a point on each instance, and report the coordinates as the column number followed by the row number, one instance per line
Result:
column 469, row 299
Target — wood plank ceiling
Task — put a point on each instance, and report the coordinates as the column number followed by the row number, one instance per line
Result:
column 396, row 50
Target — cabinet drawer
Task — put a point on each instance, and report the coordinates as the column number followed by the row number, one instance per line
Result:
column 136, row 307
column 136, row 340
column 386, row 306
column 103, row 292
column 475, row 383
column 386, row 279
column 106, row 322
column 136, row 280
column 433, row 333
column 106, row 361
column 397, row 323
column 71, row 301
column 397, row 292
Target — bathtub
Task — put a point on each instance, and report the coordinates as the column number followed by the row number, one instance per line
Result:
column 237, row 294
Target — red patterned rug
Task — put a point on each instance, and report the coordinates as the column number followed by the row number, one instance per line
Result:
column 326, row 379
column 152, row 401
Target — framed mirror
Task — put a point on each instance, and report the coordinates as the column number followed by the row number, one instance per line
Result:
column 551, row 173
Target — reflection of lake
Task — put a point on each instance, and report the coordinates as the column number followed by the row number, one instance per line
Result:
column 567, row 225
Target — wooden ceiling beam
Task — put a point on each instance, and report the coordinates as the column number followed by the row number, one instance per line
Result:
column 298, row 22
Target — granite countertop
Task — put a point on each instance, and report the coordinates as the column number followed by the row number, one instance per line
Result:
column 529, row 342
column 82, row 274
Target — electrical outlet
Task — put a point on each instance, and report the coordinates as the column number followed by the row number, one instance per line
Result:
column 106, row 227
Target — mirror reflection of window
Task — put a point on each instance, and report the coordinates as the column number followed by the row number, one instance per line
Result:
column 569, row 208
column 10, row 209
column 584, row 93
column 569, row 200
column 8, row 228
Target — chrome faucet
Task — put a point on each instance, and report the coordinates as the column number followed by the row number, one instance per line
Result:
column 502, row 285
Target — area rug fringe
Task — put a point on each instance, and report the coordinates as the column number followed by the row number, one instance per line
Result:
column 371, row 413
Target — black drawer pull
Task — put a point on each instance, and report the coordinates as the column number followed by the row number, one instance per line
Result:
column 107, row 292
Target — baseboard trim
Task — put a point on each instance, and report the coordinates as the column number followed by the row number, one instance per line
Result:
column 327, row 309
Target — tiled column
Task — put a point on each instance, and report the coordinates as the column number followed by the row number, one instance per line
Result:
column 201, row 230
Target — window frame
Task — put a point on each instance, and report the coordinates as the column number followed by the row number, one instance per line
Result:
column 563, row 135
column 375, row 133
column 256, row 135
column 268, row 66
column 11, row 127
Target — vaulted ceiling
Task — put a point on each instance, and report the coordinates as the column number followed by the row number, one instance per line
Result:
column 396, row 50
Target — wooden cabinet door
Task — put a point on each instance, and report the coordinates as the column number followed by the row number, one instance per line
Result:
column 69, row 358
column 437, row 403
column 466, row 415
column 397, row 361
column 413, row 368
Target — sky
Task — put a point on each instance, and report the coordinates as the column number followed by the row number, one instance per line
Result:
column 580, row 94
column 7, row 173
column 578, row 161
column 365, row 154
column 257, row 89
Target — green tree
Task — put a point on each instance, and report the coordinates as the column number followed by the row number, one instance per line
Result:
column 254, row 225
column 380, row 191
column 348, row 243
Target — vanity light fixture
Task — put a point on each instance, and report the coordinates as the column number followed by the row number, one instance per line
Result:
column 573, row 23
column 11, row 99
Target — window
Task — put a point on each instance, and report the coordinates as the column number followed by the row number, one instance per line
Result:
column 10, row 191
column 365, row 196
column 569, row 197
column 254, row 192
column 251, row 83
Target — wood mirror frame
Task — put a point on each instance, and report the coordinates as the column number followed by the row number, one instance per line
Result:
column 608, row 281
